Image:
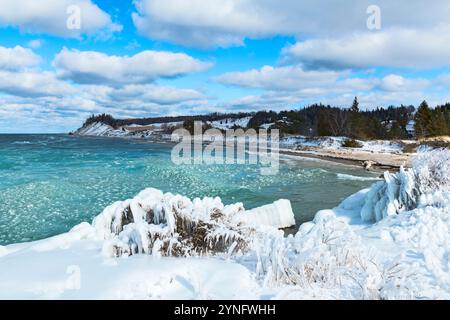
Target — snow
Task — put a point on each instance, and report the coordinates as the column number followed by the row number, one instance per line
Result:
column 289, row 142
column 343, row 176
column 230, row 123
column 278, row 215
column 410, row 127
column 335, row 143
column 390, row 241
column 427, row 183
column 99, row 129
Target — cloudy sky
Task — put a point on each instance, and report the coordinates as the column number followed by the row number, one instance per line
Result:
column 62, row 60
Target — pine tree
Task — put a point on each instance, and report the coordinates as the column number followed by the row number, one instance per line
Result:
column 438, row 123
column 423, row 121
column 356, row 130
column 355, row 105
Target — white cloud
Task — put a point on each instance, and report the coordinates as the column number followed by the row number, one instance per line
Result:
column 139, row 95
column 395, row 82
column 388, row 48
column 35, row 44
column 63, row 109
column 283, row 78
column 153, row 93
column 368, row 99
column 17, row 58
column 33, row 84
column 294, row 79
column 287, row 87
column 91, row 67
column 225, row 23
column 50, row 16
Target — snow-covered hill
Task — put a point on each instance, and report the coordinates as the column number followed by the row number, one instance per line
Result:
column 230, row 123
column 391, row 241
column 99, row 129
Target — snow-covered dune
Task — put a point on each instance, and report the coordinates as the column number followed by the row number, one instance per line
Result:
column 390, row 241
column 99, row 129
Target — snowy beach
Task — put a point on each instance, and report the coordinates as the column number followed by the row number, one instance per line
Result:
column 390, row 241
column 376, row 155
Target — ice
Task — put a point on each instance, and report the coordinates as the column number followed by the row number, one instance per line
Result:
column 278, row 215
column 406, row 190
column 343, row 176
column 172, row 225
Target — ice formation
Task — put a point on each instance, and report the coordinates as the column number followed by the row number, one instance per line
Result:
column 427, row 183
column 278, row 214
column 173, row 225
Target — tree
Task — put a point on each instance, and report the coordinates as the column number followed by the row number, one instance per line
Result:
column 423, row 121
column 438, row 123
column 356, row 129
column 355, row 105
column 338, row 122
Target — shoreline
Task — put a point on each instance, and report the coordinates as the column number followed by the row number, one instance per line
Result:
column 370, row 161
column 373, row 162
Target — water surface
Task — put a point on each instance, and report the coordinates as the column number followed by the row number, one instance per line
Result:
column 50, row 183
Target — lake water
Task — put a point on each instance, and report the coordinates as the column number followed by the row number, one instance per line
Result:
column 50, row 183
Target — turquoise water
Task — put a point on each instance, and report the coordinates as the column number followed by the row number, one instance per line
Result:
column 50, row 183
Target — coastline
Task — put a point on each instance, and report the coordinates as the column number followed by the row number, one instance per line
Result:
column 369, row 160
column 375, row 162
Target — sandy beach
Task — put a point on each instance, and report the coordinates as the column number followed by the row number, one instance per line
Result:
column 372, row 161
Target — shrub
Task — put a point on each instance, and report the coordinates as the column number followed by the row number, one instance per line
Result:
column 351, row 143
column 410, row 147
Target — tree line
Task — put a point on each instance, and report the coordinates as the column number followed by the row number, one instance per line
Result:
column 326, row 120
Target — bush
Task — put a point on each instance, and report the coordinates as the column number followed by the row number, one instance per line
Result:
column 351, row 143
column 410, row 147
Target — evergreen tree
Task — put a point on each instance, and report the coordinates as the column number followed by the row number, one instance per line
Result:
column 423, row 121
column 438, row 123
column 355, row 105
column 356, row 128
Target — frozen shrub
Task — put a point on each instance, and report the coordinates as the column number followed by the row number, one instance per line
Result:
column 173, row 225
column 407, row 189
column 432, row 170
column 325, row 255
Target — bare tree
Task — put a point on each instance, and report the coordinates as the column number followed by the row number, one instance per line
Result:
column 338, row 122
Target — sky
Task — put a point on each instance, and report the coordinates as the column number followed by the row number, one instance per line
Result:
column 63, row 60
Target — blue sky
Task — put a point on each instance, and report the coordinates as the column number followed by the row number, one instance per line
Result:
column 168, row 57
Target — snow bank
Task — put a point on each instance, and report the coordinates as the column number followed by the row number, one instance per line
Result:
column 427, row 183
column 386, row 146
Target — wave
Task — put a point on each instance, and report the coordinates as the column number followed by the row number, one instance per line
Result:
column 21, row 142
column 343, row 176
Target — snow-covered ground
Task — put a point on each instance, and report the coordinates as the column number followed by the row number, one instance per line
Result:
column 288, row 142
column 230, row 123
column 335, row 143
column 390, row 241
column 99, row 129
column 157, row 125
